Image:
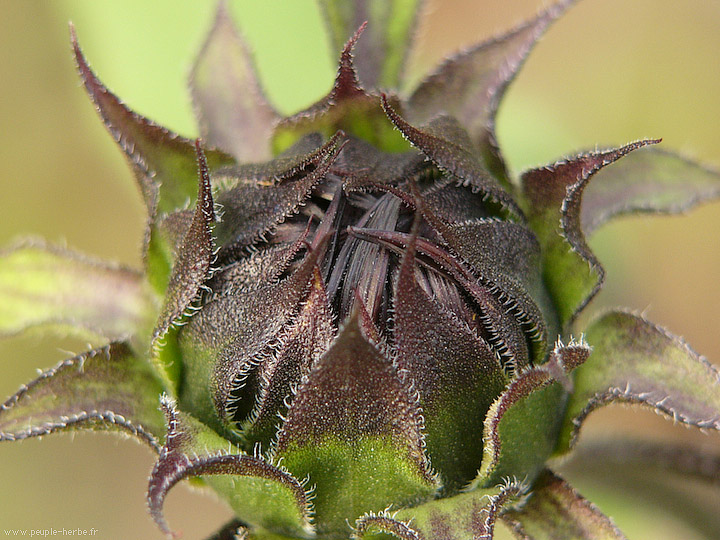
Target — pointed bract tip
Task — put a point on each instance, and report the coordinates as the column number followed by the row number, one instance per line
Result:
column 168, row 404
column 354, row 39
column 559, row 8
column 80, row 60
column 222, row 6
column 205, row 199
column 347, row 83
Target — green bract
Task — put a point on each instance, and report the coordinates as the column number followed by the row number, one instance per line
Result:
column 354, row 321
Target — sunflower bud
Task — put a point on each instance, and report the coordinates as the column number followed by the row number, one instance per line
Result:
column 361, row 309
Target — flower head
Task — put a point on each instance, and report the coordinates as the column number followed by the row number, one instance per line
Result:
column 355, row 320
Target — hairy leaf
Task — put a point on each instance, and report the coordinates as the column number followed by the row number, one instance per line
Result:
column 245, row 482
column 191, row 268
column 292, row 162
column 373, row 524
column 454, row 371
column 237, row 186
column 634, row 361
column 470, row 85
column 106, row 388
column 471, row 514
column 42, row 285
column 505, row 256
column 449, row 147
column 298, row 348
column 503, row 316
column 252, row 208
column 555, row 510
column 294, row 169
column 225, row 340
column 164, row 161
column 255, row 270
column 522, row 426
column 553, row 194
column 354, row 429
column 195, row 253
column 363, row 166
column 649, row 180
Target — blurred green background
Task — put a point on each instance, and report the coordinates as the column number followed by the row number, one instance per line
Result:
column 609, row 72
